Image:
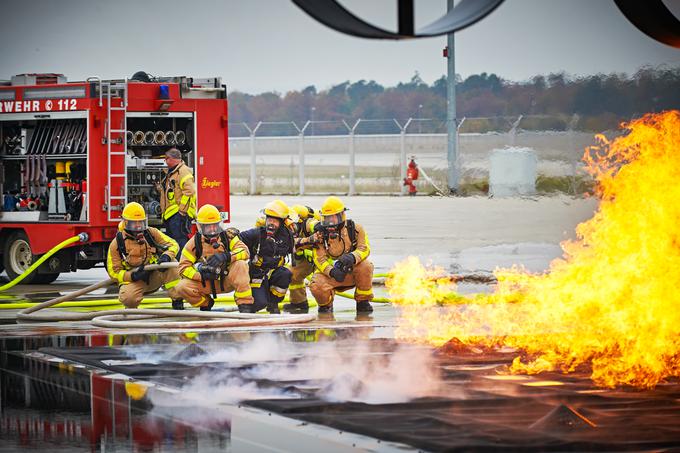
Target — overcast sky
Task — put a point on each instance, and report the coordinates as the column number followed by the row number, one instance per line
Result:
column 264, row 45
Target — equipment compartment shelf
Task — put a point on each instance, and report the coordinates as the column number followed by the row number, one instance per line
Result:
column 47, row 156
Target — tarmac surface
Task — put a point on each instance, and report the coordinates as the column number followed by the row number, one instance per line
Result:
column 69, row 386
column 472, row 234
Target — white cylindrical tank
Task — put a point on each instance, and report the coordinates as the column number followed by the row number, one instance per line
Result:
column 512, row 172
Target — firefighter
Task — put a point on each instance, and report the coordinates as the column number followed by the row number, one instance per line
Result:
column 269, row 245
column 341, row 259
column 178, row 197
column 214, row 261
column 136, row 245
column 306, row 236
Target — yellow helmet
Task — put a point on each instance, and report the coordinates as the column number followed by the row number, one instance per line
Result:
column 304, row 212
column 332, row 205
column 209, row 220
column 134, row 218
column 260, row 221
column 332, row 212
column 276, row 208
column 291, row 224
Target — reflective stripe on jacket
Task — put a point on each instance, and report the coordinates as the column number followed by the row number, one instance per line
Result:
column 137, row 254
column 179, row 192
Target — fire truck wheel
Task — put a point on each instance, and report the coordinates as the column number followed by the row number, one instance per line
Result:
column 17, row 257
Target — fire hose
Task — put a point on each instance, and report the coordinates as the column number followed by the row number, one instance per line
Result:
column 115, row 316
column 141, row 318
column 82, row 237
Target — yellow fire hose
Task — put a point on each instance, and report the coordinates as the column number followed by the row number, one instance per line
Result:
column 82, row 237
column 137, row 317
column 141, row 318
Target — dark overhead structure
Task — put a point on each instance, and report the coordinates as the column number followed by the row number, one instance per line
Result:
column 335, row 16
column 652, row 17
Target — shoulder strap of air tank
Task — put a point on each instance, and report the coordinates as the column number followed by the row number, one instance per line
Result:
column 120, row 243
column 198, row 245
column 352, row 232
column 152, row 242
column 225, row 240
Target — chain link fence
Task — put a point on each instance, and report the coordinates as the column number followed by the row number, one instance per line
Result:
column 369, row 156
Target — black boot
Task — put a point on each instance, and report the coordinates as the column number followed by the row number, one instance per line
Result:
column 297, row 308
column 246, row 308
column 178, row 304
column 364, row 306
column 326, row 308
column 208, row 307
column 273, row 308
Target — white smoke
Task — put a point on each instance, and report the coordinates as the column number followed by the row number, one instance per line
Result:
column 334, row 371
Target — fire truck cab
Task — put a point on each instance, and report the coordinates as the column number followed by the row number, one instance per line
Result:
column 72, row 154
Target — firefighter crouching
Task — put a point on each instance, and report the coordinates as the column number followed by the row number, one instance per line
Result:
column 178, row 197
column 136, row 244
column 269, row 245
column 306, row 236
column 214, row 261
column 341, row 259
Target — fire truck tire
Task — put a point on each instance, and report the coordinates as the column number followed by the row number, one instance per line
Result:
column 17, row 257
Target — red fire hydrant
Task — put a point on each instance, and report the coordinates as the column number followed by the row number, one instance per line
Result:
column 411, row 176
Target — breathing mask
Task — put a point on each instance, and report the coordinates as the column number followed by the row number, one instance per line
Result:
column 271, row 226
column 211, row 233
column 135, row 229
column 332, row 224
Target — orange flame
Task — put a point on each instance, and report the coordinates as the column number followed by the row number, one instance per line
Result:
column 611, row 304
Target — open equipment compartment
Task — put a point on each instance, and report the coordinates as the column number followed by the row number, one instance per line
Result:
column 44, row 167
column 149, row 135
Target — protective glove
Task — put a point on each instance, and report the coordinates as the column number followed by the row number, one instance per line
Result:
column 338, row 274
column 141, row 274
column 207, row 272
column 347, row 260
column 219, row 260
column 318, row 228
column 164, row 258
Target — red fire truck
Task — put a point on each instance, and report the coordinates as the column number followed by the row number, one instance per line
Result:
column 73, row 153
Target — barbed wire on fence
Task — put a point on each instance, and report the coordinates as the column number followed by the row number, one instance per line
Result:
column 378, row 126
column 287, row 144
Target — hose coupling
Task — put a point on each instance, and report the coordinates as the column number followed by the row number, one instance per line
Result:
column 84, row 237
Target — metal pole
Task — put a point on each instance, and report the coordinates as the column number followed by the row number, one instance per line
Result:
column 301, row 164
column 402, row 152
column 452, row 150
column 301, row 158
column 352, row 164
column 402, row 158
column 253, row 173
column 252, row 164
column 352, row 157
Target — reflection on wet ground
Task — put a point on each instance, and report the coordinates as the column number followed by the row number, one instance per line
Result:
column 178, row 391
column 74, row 393
column 73, row 387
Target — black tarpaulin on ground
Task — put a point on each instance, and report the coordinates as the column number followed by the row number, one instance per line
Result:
column 522, row 424
column 480, row 408
column 99, row 356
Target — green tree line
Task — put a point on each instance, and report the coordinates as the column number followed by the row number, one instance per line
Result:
column 549, row 102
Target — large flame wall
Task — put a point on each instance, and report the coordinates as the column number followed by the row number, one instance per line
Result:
column 611, row 305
